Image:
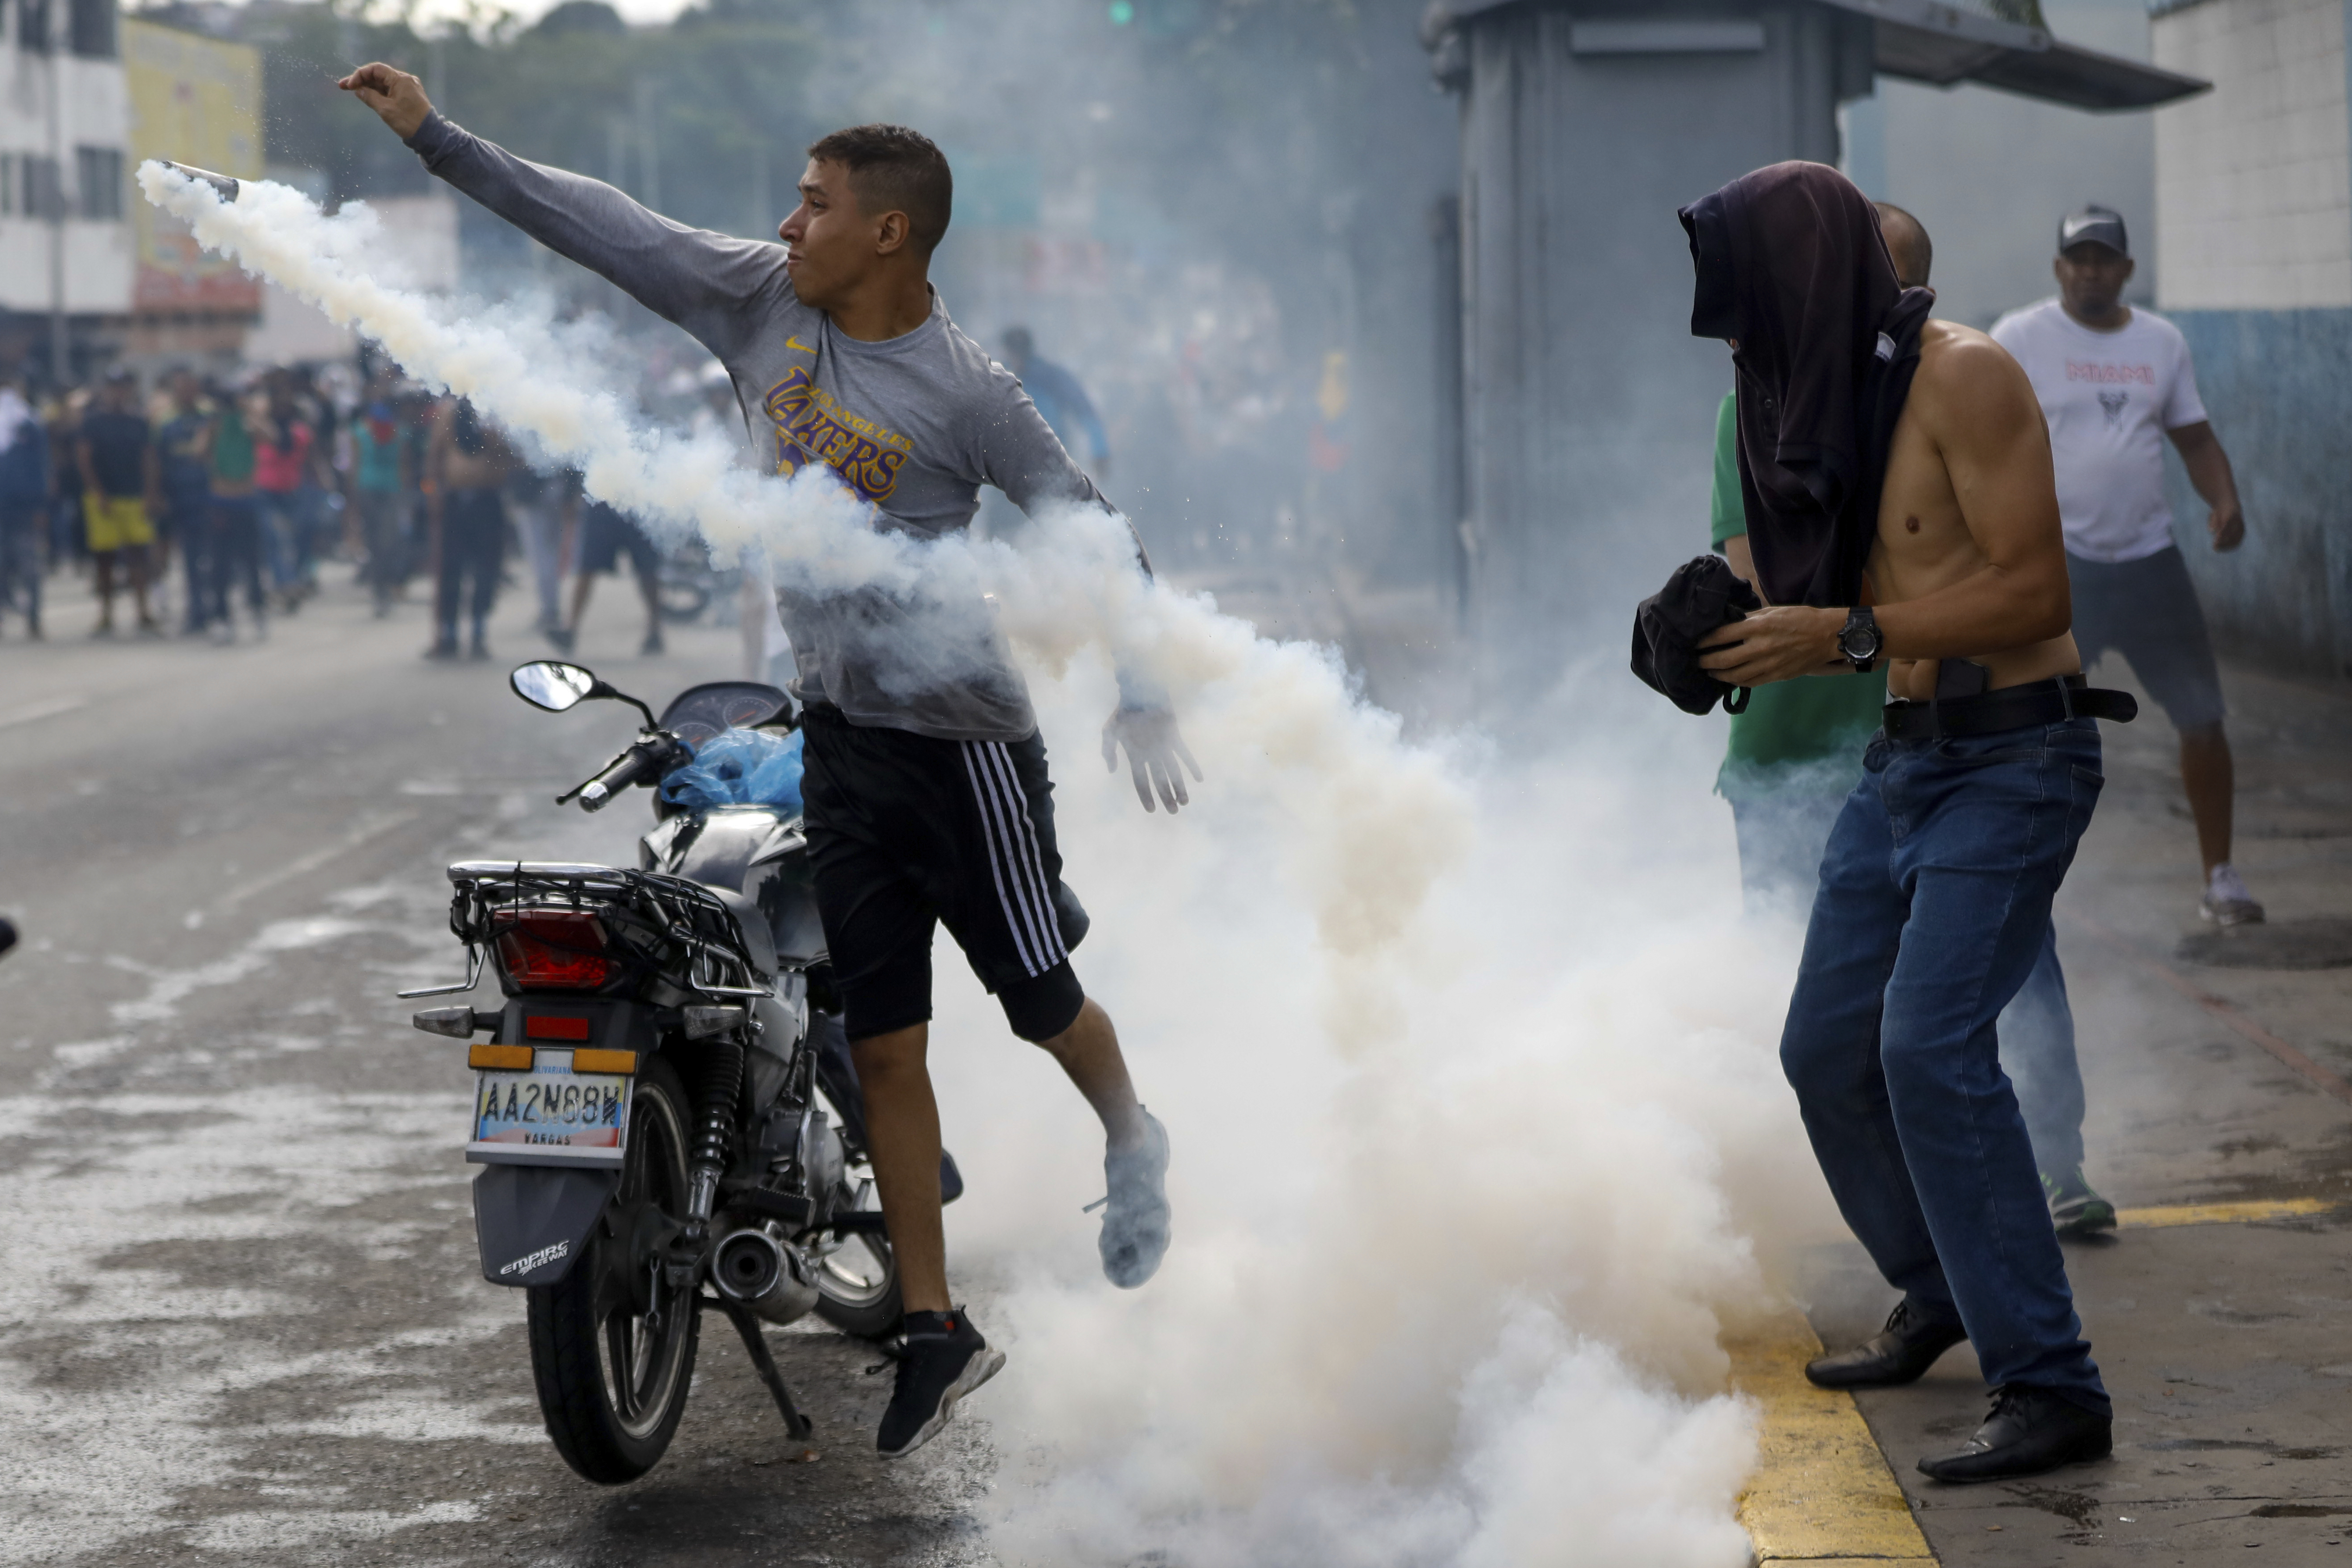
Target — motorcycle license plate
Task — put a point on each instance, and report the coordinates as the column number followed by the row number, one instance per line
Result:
column 549, row 1115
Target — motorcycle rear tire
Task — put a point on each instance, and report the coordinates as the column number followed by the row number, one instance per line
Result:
column 613, row 1384
column 857, row 1288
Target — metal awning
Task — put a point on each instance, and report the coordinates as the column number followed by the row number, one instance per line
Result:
column 1923, row 40
column 1919, row 40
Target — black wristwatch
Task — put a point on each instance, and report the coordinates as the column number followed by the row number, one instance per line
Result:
column 1860, row 641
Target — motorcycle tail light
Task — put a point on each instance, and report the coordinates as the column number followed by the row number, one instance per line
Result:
column 553, row 949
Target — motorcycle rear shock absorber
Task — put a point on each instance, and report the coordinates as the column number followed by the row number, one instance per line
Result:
column 718, row 1079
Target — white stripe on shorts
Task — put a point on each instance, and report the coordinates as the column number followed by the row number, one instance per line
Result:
column 1027, row 852
column 1020, row 883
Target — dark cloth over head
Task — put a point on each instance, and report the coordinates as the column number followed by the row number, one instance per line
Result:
column 1792, row 268
column 1701, row 596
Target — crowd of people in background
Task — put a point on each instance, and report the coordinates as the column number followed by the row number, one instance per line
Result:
column 211, row 503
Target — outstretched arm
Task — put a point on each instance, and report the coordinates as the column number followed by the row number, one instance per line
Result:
column 1020, row 455
column 714, row 285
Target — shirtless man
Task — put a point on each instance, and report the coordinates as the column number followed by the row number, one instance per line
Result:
column 1937, row 885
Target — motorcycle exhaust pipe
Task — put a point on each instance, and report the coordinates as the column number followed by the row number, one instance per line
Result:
column 755, row 1269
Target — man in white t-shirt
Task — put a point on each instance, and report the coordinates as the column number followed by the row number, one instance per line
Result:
column 2114, row 383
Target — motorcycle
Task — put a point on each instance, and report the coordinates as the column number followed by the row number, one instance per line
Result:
column 665, row 1102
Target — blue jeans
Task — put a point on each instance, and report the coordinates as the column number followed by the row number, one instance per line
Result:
column 22, row 523
column 2037, row 1047
column 1780, row 838
column 281, row 536
column 237, row 553
column 1933, row 909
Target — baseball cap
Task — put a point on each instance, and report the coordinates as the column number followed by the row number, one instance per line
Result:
column 2094, row 225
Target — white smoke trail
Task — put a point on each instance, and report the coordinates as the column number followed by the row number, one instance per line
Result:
column 1457, row 1220
column 1080, row 589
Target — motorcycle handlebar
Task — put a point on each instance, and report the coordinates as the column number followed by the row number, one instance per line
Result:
column 647, row 759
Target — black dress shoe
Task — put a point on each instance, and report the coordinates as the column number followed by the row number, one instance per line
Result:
column 2030, row 1430
column 1901, row 1354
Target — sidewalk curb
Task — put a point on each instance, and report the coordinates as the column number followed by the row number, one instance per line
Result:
column 1821, row 1491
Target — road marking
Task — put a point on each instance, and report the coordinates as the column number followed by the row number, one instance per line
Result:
column 47, row 708
column 2231, row 1015
column 2220, row 1214
column 1821, row 1491
column 304, row 864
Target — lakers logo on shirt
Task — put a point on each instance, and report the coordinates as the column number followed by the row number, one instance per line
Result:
column 813, row 427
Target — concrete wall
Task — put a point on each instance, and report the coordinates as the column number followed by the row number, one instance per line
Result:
column 1588, row 406
column 2279, row 386
column 2254, row 257
column 2255, row 207
column 1991, row 173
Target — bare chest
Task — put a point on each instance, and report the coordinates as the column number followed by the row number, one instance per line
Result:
column 1922, row 540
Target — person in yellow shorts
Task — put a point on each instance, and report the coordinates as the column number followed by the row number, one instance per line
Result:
column 120, row 482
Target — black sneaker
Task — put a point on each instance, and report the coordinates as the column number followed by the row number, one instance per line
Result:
column 1136, row 1218
column 944, row 1359
column 2031, row 1430
column 2075, row 1209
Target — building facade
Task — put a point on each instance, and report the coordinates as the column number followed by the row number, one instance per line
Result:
column 193, row 99
column 2253, row 238
column 66, row 248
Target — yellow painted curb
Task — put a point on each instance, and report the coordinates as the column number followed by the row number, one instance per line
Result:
column 2219, row 1214
column 1821, row 1491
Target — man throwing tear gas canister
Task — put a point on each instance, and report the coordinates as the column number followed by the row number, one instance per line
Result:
column 928, row 798
column 1902, row 514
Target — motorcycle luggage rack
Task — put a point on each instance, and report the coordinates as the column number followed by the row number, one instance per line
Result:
column 671, row 907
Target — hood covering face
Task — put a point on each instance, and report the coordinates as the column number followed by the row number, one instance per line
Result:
column 1792, row 268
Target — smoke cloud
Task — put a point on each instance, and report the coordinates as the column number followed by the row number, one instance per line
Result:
column 1468, row 1066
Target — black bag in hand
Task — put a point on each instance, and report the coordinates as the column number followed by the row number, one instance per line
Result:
column 1704, row 594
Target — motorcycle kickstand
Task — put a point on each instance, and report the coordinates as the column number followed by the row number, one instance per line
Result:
column 755, row 1345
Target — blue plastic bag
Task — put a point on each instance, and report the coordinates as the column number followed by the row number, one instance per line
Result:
column 739, row 767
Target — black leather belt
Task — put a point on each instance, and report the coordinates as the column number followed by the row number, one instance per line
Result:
column 2051, row 701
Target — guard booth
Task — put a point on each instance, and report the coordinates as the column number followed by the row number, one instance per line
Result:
column 1585, row 406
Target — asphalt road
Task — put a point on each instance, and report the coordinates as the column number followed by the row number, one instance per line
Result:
column 241, row 1318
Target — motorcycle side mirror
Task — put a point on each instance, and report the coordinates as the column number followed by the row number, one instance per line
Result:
column 558, row 687
column 545, row 683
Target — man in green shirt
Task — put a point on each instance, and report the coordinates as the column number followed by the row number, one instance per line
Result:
column 237, row 545
column 1796, row 755
column 1796, row 752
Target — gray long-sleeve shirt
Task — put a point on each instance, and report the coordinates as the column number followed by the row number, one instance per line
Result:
column 914, row 425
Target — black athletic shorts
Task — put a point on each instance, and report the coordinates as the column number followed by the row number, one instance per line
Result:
column 906, row 832
column 605, row 535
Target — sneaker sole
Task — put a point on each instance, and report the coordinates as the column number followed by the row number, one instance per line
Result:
column 979, row 1370
column 2023, row 1473
column 1146, row 1266
column 2096, row 1218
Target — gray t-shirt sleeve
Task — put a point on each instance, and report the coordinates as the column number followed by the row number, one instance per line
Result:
column 716, row 286
column 1020, row 455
